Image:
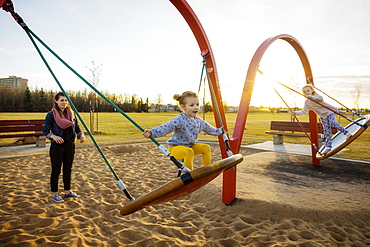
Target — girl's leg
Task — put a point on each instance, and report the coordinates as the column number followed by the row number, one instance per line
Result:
column 67, row 164
column 204, row 150
column 181, row 152
column 327, row 131
column 333, row 123
column 56, row 153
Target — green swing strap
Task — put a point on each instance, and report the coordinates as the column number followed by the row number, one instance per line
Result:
column 20, row 21
column 161, row 147
column 120, row 183
column 224, row 135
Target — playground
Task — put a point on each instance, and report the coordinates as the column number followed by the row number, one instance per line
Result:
column 262, row 197
column 282, row 200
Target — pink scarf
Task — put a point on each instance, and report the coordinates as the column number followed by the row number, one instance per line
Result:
column 63, row 122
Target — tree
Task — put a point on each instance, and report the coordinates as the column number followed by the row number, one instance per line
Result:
column 95, row 71
column 27, row 105
column 207, row 107
column 141, row 106
column 356, row 96
column 158, row 102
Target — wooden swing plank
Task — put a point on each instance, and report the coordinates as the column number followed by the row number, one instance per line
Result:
column 182, row 185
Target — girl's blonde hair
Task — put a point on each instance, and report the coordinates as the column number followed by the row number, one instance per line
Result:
column 182, row 98
column 310, row 86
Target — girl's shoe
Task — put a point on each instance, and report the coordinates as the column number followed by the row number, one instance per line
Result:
column 326, row 150
column 57, row 198
column 348, row 136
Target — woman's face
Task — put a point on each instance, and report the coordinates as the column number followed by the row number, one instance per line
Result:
column 191, row 107
column 62, row 102
column 307, row 91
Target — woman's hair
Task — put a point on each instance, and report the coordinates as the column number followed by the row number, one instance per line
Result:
column 310, row 86
column 182, row 98
column 56, row 97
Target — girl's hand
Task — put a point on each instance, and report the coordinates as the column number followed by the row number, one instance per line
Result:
column 147, row 133
column 223, row 130
column 293, row 113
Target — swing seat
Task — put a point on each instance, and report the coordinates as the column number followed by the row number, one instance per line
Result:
column 182, row 185
column 339, row 139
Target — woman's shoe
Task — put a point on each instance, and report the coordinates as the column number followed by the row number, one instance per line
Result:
column 72, row 194
column 57, row 198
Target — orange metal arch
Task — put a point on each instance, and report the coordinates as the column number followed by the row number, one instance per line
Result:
column 248, row 88
column 229, row 176
column 206, row 51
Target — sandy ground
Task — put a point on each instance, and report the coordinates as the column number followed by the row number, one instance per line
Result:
column 282, row 200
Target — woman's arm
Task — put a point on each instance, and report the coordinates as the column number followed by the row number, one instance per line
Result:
column 47, row 125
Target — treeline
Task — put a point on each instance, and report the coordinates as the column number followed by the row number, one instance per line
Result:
column 14, row 100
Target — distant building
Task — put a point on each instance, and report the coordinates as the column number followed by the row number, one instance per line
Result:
column 162, row 107
column 14, row 83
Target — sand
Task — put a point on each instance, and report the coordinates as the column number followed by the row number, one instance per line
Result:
column 282, row 201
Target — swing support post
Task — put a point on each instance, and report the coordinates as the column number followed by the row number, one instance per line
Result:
column 314, row 136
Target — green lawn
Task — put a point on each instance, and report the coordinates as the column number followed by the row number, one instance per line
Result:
column 115, row 128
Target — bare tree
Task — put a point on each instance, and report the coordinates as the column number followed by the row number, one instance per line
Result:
column 94, row 78
column 158, row 102
column 356, row 96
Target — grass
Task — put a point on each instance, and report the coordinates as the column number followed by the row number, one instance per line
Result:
column 116, row 129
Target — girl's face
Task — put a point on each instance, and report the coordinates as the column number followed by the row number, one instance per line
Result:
column 191, row 107
column 62, row 102
column 307, row 91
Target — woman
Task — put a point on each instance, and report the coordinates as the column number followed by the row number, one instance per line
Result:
column 61, row 129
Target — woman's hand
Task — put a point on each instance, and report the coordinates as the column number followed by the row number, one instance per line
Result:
column 57, row 139
column 82, row 139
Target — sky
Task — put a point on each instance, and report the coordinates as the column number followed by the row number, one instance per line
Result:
column 146, row 48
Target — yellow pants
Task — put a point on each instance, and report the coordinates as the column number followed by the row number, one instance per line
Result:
column 188, row 153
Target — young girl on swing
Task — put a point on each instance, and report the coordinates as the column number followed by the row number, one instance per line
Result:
column 186, row 127
column 327, row 116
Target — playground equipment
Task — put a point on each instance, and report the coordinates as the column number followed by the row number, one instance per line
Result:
column 229, row 172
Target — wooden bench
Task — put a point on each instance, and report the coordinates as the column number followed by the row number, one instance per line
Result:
column 287, row 128
column 24, row 128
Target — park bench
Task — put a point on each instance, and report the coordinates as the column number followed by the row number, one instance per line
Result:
column 288, row 128
column 23, row 128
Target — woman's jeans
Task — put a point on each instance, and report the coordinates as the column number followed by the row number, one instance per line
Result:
column 61, row 154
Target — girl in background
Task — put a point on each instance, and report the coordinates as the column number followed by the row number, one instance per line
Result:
column 327, row 116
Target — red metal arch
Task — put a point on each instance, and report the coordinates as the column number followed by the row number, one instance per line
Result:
column 251, row 76
column 5, row 5
column 206, row 51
